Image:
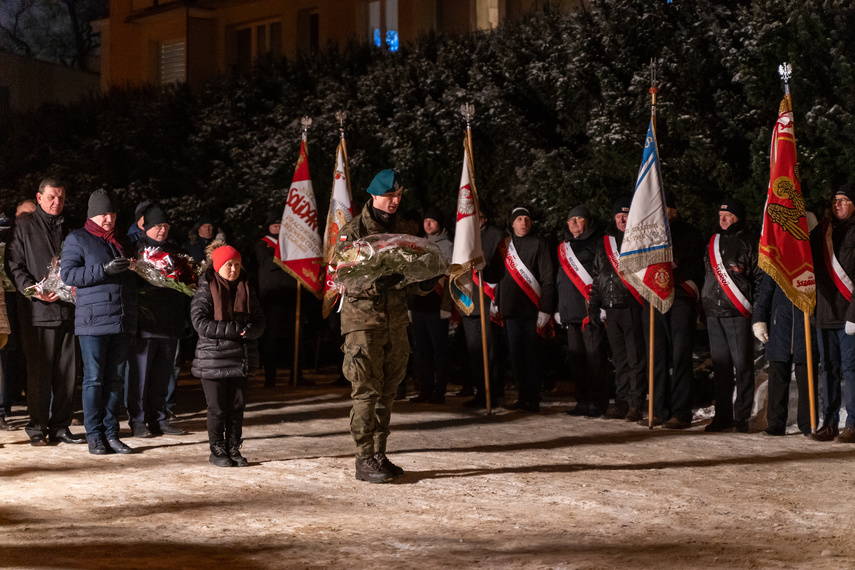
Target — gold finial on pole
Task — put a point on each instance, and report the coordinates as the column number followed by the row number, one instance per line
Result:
column 654, row 89
column 341, row 116
column 306, row 122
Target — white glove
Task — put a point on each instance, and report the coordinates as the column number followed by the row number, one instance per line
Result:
column 761, row 331
column 850, row 328
column 494, row 309
column 603, row 315
column 410, row 316
column 542, row 319
column 557, row 318
column 444, row 315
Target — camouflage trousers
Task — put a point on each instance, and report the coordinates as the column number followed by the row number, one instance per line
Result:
column 375, row 362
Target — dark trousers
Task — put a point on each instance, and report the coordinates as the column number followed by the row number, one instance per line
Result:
column 837, row 353
column 103, row 382
column 51, row 369
column 475, row 349
column 226, row 400
column 779, row 396
column 277, row 343
column 430, row 339
column 150, row 367
column 673, row 334
column 172, row 385
column 626, row 339
column 524, row 346
column 588, row 364
column 732, row 348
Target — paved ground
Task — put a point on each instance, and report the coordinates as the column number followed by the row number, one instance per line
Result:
column 511, row 490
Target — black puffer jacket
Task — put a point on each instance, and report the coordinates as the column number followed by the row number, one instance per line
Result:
column 608, row 291
column 221, row 351
column 832, row 308
column 738, row 247
column 571, row 304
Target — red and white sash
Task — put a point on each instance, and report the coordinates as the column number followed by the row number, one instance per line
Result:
column 521, row 274
column 614, row 257
column 274, row 243
column 489, row 288
column 691, row 288
column 575, row 270
column 726, row 281
column 838, row 275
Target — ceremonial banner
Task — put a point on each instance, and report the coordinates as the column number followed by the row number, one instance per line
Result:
column 340, row 212
column 467, row 254
column 299, row 241
column 784, row 247
column 646, row 255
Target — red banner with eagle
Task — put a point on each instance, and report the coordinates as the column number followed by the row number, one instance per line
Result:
column 784, row 246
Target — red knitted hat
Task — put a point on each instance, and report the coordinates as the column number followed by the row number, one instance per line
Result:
column 222, row 254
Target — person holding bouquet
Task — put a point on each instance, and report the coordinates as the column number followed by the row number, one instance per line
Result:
column 95, row 260
column 226, row 313
column 163, row 314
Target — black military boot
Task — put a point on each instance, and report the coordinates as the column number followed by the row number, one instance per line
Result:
column 219, row 456
column 388, row 465
column 234, row 453
column 369, row 469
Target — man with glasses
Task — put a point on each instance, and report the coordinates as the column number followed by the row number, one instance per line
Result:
column 833, row 249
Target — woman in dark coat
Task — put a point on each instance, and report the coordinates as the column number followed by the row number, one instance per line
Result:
column 227, row 315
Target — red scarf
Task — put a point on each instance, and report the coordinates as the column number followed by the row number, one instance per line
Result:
column 109, row 236
column 221, row 294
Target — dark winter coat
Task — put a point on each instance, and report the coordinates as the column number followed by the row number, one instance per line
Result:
column 738, row 248
column 511, row 299
column 370, row 310
column 106, row 304
column 433, row 302
column 490, row 238
column 688, row 258
column 786, row 323
column 195, row 247
column 832, row 308
column 274, row 283
column 35, row 240
column 165, row 312
column 572, row 305
column 608, row 290
column 221, row 351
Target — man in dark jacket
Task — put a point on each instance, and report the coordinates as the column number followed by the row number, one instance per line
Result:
column 201, row 237
column 781, row 326
column 614, row 301
column 95, row 260
column 47, row 329
column 833, row 249
column 585, row 339
column 732, row 278
column 674, row 331
column 490, row 238
column 526, row 300
column 277, row 291
column 161, row 324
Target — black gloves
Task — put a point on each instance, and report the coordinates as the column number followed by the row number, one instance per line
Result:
column 429, row 284
column 386, row 282
column 116, row 266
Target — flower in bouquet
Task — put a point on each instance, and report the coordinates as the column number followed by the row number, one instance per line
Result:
column 52, row 284
column 366, row 259
column 166, row 269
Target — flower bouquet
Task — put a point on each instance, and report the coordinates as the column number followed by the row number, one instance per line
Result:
column 163, row 269
column 361, row 263
column 52, row 284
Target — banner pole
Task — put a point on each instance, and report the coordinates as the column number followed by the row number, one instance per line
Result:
column 484, row 326
column 295, row 369
column 650, row 359
column 811, row 395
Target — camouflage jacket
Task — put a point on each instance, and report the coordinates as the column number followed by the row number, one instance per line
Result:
column 370, row 310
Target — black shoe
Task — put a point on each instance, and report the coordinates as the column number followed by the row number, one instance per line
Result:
column 6, row 426
column 533, row 407
column 826, row 433
column 119, row 447
column 167, row 428
column 219, row 457
column 388, row 465
column 718, row 426
column 579, row 410
column 38, row 440
column 465, row 392
column 97, row 447
column 593, row 413
column 656, row 422
column 774, row 432
column 421, row 399
column 740, row 426
column 66, row 436
column 140, row 430
column 676, row 423
column 475, row 402
column 617, row 412
column 369, row 469
column 234, row 454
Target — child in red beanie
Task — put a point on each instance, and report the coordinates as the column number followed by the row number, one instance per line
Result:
column 227, row 315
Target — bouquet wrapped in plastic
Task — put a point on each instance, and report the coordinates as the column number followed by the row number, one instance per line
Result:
column 360, row 264
column 52, row 284
column 163, row 269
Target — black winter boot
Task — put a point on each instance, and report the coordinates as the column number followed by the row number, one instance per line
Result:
column 234, row 453
column 369, row 469
column 219, row 457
